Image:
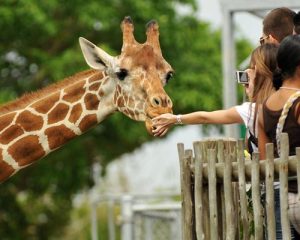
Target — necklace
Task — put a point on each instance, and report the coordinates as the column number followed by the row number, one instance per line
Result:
column 290, row 88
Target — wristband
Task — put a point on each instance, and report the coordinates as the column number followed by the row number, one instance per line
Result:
column 178, row 119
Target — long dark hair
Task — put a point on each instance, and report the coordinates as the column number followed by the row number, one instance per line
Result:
column 263, row 59
column 297, row 23
column 288, row 59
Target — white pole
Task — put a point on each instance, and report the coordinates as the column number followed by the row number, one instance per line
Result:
column 228, row 63
column 94, row 228
column 111, row 224
column 96, row 171
column 127, row 218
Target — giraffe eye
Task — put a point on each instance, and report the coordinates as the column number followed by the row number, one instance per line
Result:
column 122, row 74
column 169, row 76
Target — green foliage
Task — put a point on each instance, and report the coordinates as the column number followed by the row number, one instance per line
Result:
column 39, row 46
column 244, row 49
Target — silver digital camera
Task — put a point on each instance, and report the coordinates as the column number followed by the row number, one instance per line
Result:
column 242, row 77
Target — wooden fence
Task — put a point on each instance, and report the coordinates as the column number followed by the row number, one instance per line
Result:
column 215, row 203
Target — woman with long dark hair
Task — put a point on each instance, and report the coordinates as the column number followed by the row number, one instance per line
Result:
column 281, row 113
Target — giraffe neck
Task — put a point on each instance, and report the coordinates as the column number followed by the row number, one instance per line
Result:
column 35, row 125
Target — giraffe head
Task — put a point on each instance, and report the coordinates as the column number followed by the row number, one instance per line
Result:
column 137, row 76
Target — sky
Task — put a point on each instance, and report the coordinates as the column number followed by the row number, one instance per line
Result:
column 246, row 24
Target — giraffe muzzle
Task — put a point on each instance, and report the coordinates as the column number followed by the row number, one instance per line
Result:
column 161, row 101
column 159, row 104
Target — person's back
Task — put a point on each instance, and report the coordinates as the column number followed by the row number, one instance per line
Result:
column 272, row 109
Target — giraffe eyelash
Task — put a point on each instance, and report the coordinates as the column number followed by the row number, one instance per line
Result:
column 169, row 76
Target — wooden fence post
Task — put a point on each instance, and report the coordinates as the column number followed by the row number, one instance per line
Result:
column 188, row 222
column 270, row 214
column 229, row 211
column 242, row 189
column 198, row 178
column 212, row 194
column 283, row 176
column 209, row 212
column 257, row 209
column 205, row 145
column 220, row 189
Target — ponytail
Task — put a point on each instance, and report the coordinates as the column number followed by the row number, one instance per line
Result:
column 277, row 79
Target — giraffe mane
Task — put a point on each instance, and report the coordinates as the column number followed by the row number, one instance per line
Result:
column 29, row 97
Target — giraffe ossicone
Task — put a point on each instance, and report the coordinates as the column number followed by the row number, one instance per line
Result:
column 36, row 124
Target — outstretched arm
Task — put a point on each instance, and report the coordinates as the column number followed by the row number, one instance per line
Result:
column 163, row 122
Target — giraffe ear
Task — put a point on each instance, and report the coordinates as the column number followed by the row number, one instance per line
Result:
column 94, row 56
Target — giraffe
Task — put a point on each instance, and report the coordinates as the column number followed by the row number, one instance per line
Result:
column 132, row 83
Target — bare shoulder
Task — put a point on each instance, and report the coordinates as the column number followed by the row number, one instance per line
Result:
column 297, row 112
column 277, row 100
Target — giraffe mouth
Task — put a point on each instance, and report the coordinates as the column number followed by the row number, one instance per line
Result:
column 151, row 113
column 149, row 125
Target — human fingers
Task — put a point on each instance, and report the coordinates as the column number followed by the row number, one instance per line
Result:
column 158, row 131
column 251, row 73
column 164, row 132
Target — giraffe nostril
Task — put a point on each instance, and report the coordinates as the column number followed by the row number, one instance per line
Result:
column 156, row 101
column 161, row 100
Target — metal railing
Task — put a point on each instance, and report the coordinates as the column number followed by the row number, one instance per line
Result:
column 140, row 217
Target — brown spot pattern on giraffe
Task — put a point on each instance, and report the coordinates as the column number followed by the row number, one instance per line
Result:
column 131, row 113
column 58, row 113
column 120, row 102
column 96, row 77
column 29, row 121
column 59, row 135
column 44, row 105
column 26, row 149
column 10, row 134
column 95, row 86
column 6, row 120
column 87, row 122
column 91, row 101
column 140, row 105
column 101, row 93
column 5, row 169
column 75, row 92
column 75, row 113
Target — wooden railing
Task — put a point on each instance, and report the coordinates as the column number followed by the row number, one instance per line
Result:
column 215, row 203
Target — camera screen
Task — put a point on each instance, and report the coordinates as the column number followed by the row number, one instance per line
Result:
column 242, row 77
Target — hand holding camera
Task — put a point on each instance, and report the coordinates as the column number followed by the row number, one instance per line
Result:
column 243, row 77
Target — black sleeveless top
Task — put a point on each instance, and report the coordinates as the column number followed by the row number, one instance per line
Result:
column 291, row 125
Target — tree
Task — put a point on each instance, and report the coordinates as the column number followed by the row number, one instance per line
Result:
column 39, row 46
